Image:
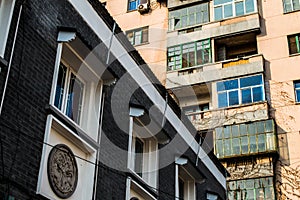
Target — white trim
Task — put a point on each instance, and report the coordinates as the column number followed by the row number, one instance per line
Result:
column 141, row 188
column 104, row 33
column 55, row 73
column 5, row 22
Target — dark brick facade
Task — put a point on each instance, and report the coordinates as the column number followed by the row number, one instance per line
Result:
column 25, row 110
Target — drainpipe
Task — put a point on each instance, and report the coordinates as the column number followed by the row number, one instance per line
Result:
column 10, row 59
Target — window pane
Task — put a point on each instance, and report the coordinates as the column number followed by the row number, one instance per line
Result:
column 138, row 162
column 251, row 81
column 244, row 144
column 252, row 129
column 260, row 127
column 261, row 143
column 227, row 132
column 138, row 37
column 218, row 2
column 219, row 132
column 227, row 147
column 243, row 129
column 249, row 6
column 292, row 44
column 218, row 13
column 145, row 35
column 296, row 5
column 235, row 131
column 233, row 98
column 60, row 86
column 228, row 11
column 270, row 141
column 269, row 126
column 222, row 100
column 287, row 6
column 246, row 96
column 236, row 146
column 257, row 94
column 219, row 144
column 227, row 85
column 239, row 8
column 74, row 101
column 298, row 95
column 130, row 37
column 253, row 144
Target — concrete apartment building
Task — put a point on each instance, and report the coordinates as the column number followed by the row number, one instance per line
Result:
column 232, row 66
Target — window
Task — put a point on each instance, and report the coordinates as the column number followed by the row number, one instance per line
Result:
column 142, row 149
column 189, row 55
column 210, row 196
column 245, row 139
column 69, row 93
column 240, row 91
column 189, row 16
column 297, row 90
column 294, row 44
column 6, row 11
column 251, row 189
column 76, row 89
column 291, row 5
column 133, row 4
column 196, row 112
column 230, row 8
column 138, row 36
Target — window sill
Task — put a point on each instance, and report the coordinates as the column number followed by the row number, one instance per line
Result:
column 129, row 11
column 3, row 62
column 289, row 12
column 295, row 54
column 137, row 45
column 142, row 182
column 73, row 126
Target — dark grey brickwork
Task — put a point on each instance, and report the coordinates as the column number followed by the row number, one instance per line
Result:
column 23, row 119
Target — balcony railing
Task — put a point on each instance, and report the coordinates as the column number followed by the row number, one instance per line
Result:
column 245, row 139
column 215, row 71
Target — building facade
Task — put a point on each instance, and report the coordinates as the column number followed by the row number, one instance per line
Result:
column 82, row 116
column 231, row 65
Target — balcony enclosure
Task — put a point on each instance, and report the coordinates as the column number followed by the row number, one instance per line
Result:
column 237, row 46
column 245, row 139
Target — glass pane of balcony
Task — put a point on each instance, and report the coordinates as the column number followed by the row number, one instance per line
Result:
column 253, row 138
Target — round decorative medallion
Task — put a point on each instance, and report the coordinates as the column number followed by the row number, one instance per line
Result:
column 62, row 171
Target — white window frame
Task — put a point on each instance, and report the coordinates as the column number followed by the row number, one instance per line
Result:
column 189, row 189
column 233, row 2
column 93, row 85
column 239, row 90
column 69, row 73
column 149, row 173
column 6, row 12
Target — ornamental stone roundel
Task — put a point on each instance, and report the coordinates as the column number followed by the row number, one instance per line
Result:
column 62, row 171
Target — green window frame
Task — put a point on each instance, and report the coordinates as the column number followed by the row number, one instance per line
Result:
column 245, row 139
column 189, row 16
column 291, row 5
column 189, row 55
column 138, row 36
column 294, row 44
column 258, row 188
column 231, row 8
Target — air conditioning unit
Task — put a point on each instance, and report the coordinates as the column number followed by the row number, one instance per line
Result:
column 143, row 8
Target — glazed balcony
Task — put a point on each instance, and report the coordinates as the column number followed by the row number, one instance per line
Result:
column 246, row 139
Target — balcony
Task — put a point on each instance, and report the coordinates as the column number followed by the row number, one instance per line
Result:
column 203, row 120
column 215, row 71
column 245, row 139
column 245, row 23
